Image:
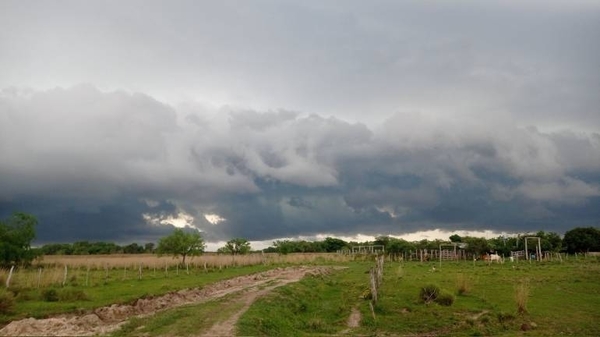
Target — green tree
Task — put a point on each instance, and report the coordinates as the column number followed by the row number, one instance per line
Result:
column 582, row 240
column 16, row 234
column 181, row 243
column 284, row 246
column 455, row 238
column 549, row 241
column 149, row 247
column 333, row 245
column 476, row 246
column 237, row 246
column 133, row 248
column 399, row 246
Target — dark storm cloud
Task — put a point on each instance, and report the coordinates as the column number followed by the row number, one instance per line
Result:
column 113, row 165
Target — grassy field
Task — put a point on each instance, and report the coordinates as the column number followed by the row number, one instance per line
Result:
column 511, row 299
column 96, row 281
column 558, row 299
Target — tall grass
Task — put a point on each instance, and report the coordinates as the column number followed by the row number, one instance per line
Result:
column 522, row 296
column 87, row 270
column 463, row 284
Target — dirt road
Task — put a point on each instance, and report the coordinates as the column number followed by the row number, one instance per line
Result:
column 106, row 319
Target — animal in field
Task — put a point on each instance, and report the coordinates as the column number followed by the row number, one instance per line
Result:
column 492, row 257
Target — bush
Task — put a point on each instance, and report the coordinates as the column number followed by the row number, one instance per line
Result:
column 433, row 293
column 71, row 295
column 445, row 298
column 504, row 317
column 429, row 293
column 463, row 284
column 7, row 302
column 50, row 295
column 522, row 296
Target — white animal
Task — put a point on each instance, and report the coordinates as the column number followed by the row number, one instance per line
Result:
column 512, row 259
column 495, row 257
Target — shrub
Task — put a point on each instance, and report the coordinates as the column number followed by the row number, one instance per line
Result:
column 433, row 293
column 463, row 284
column 50, row 295
column 522, row 296
column 7, row 302
column 444, row 298
column 71, row 295
column 504, row 317
column 429, row 293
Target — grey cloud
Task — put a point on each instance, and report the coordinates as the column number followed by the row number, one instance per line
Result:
column 93, row 158
column 291, row 118
column 355, row 60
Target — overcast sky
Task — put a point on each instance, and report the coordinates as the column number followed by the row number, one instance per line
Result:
column 287, row 119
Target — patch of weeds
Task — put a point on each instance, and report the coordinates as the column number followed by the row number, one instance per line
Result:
column 504, row 317
column 522, row 296
column 445, row 298
column 24, row 296
column 463, row 284
column 399, row 272
column 429, row 293
column 72, row 295
column 316, row 324
column 433, row 293
column 485, row 319
column 7, row 302
column 50, row 295
column 300, row 307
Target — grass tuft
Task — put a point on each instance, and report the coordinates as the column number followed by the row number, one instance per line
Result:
column 7, row 302
column 50, row 295
column 445, row 298
column 522, row 296
column 429, row 293
column 463, row 284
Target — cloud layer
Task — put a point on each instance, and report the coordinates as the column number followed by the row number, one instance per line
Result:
column 98, row 165
column 299, row 118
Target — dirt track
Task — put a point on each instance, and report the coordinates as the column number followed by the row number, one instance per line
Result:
column 106, row 319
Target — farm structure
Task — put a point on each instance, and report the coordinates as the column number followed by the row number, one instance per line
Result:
column 370, row 249
column 437, row 254
column 538, row 248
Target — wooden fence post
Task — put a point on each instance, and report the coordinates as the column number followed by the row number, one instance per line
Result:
column 10, row 273
column 65, row 277
column 39, row 277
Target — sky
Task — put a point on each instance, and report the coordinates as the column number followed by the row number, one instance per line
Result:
column 120, row 120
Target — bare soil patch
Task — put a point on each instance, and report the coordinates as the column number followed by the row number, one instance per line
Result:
column 106, row 319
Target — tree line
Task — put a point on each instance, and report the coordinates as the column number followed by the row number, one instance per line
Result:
column 18, row 231
column 580, row 239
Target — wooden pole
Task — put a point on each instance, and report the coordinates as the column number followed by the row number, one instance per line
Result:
column 10, row 273
column 39, row 277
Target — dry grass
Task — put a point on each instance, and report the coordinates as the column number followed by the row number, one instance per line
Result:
column 85, row 269
column 463, row 284
column 204, row 261
column 522, row 296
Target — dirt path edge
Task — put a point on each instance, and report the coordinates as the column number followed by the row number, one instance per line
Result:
column 109, row 318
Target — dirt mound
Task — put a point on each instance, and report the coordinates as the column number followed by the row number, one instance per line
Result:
column 106, row 319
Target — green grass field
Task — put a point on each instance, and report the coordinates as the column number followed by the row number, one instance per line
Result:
column 563, row 299
column 556, row 298
column 104, row 290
